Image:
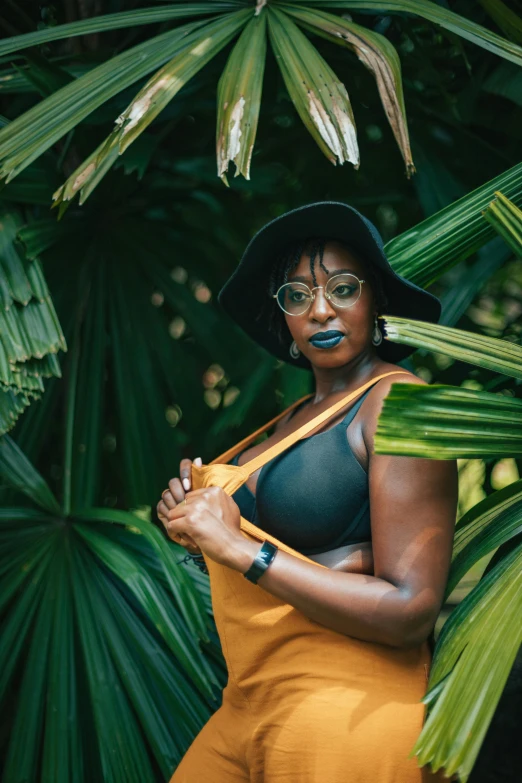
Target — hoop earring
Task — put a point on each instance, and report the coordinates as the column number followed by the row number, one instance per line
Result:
column 377, row 334
column 294, row 351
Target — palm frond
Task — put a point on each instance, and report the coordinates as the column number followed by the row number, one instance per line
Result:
column 28, row 136
column 318, row 95
column 239, row 99
column 378, row 55
column 501, row 356
column 427, row 250
column 446, row 422
column 197, row 50
column 30, row 334
column 483, row 528
column 437, row 14
column 506, row 219
column 83, row 613
column 474, row 655
column 508, row 21
column 118, row 21
column 17, row 471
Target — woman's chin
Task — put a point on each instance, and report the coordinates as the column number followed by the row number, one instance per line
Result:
column 330, row 358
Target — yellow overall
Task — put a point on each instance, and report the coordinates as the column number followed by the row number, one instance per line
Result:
column 303, row 703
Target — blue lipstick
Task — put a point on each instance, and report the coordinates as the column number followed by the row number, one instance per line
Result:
column 328, row 339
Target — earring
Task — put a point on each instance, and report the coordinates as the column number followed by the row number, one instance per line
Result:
column 377, row 334
column 294, row 351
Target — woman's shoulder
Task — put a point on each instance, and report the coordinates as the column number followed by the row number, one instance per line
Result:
column 372, row 405
column 406, row 376
column 380, row 389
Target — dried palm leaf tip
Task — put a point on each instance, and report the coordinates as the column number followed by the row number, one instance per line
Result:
column 288, row 261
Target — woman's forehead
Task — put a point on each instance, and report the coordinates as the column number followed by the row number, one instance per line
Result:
column 335, row 256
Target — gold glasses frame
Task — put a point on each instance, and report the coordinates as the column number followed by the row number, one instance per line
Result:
column 327, row 295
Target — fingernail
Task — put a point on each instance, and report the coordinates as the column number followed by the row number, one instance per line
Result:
column 186, row 483
column 198, row 461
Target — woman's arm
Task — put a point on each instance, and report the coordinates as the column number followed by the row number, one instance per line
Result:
column 413, row 504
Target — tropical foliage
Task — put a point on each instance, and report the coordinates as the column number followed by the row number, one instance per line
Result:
column 29, row 328
column 317, row 93
column 479, row 642
column 153, row 370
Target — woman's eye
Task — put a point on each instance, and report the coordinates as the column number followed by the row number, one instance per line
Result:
column 344, row 290
column 294, row 296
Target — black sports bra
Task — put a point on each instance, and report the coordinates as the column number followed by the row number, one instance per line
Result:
column 314, row 496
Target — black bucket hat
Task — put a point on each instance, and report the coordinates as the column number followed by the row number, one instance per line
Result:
column 335, row 220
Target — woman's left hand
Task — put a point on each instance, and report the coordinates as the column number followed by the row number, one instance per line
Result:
column 212, row 520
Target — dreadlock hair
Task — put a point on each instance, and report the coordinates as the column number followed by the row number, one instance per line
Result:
column 287, row 262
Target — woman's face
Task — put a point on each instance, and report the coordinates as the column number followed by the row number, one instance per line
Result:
column 355, row 323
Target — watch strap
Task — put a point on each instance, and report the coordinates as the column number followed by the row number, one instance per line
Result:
column 261, row 561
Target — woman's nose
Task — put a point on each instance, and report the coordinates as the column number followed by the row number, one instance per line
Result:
column 321, row 307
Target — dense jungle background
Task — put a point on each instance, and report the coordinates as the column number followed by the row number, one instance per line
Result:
column 122, row 127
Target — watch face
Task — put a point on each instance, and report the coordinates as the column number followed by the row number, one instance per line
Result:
column 261, row 561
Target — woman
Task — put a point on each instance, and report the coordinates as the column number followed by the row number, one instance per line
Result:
column 327, row 639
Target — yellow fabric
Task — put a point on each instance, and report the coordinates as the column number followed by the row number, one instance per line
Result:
column 303, row 703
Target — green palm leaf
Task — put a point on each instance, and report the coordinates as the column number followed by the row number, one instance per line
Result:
column 445, row 422
column 17, row 471
column 459, row 25
column 30, row 334
column 508, row 21
column 474, row 655
column 427, row 250
column 29, row 718
column 80, row 601
column 197, row 50
column 239, row 99
column 319, row 97
column 121, row 745
column 160, row 695
column 117, row 409
column 118, row 21
column 327, row 116
column 179, row 636
column 506, row 219
column 378, row 55
column 486, row 526
column 500, row 356
column 31, row 134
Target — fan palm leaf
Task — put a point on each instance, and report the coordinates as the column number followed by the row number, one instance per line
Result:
column 474, row 655
column 239, row 99
column 432, row 12
column 478, row 643
column 483, row 528
column 118, row 21
column 377, row 54
column 506, row 219
column 325, row 112
column 78, row 599
column 499, row 356
column 30, row 334
column 28, row 136
column 436, row 244
column 507, row 20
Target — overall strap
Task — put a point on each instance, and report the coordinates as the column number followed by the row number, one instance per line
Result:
column 273, row 451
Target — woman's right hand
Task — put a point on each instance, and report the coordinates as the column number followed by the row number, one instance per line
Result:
column 174, row 495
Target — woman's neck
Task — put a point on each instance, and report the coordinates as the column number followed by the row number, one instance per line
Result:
column 349, row 376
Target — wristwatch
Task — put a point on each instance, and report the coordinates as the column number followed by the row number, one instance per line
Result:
column 261, row 562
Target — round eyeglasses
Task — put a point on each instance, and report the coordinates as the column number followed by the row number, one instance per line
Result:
column 342, row 290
